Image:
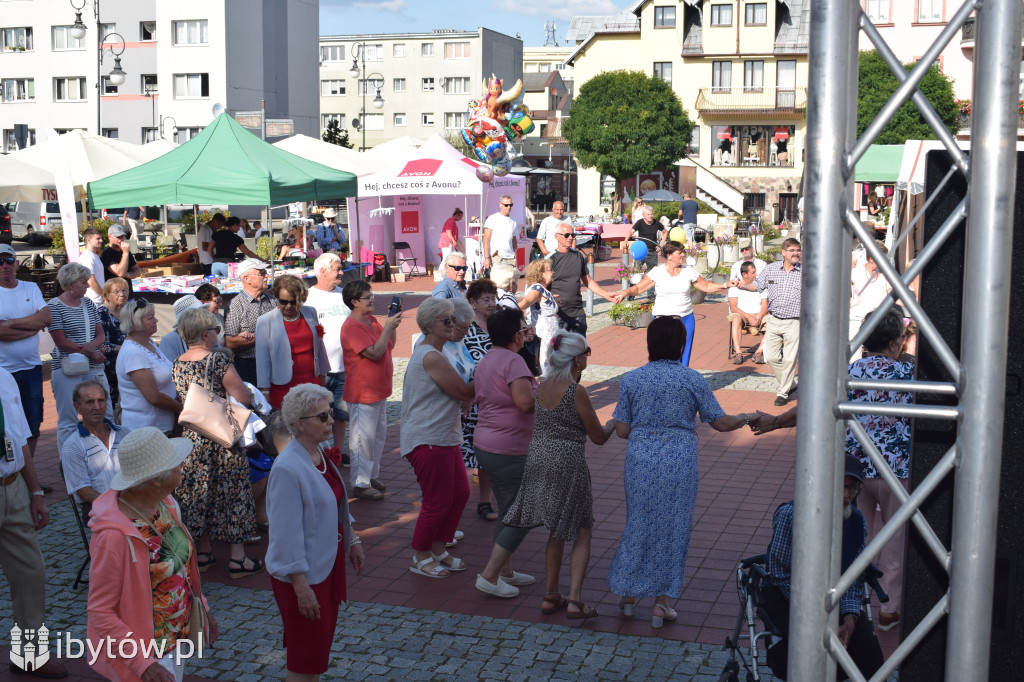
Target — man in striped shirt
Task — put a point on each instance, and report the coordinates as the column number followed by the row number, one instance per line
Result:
column 89, row 456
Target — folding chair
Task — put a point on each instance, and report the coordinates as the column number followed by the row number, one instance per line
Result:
column 401, row 260
column 79, row 518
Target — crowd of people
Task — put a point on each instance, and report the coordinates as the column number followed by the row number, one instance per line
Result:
column 492, row 389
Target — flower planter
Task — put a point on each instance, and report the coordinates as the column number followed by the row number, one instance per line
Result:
column 758, row 243
column 696, row 296
column 641, row 321
column 702, row 264
column 719, row 279
column 732, row 253
column 714, row 255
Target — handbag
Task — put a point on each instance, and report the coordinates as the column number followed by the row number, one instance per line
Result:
column 76, row 364
column 211, row 416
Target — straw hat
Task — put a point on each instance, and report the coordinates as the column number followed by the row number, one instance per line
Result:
column 145, row 453
column 330, row 213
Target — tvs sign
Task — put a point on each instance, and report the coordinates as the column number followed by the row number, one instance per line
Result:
column 420, row 168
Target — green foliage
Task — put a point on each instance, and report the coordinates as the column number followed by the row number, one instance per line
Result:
column 57, row 246
column 188, row 222
column 336, row 135
column 876, row 85
column 455, row 139
column 624, row 123
column 264, row 249
column 627, row 311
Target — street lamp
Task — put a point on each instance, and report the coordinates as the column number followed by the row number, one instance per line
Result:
column 174, row 129
column 376, row 79
column 117, row 75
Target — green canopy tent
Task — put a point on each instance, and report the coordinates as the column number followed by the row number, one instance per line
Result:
column 880, row 163
column 224, row 164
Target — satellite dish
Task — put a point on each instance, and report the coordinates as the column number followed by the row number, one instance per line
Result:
column 218, row 109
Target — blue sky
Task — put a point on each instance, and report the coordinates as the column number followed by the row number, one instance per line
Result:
column 527, row 17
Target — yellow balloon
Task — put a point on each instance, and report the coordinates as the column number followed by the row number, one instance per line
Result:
column 677, row 234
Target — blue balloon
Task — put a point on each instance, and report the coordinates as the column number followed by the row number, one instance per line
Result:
column 638, row 250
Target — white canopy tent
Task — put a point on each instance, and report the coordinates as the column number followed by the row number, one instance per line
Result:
column 21, row 181
column 333, row 156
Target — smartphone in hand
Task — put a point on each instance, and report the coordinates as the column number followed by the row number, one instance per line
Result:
column 395, row 307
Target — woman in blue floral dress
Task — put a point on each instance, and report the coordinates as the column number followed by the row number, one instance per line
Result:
column 657, row 411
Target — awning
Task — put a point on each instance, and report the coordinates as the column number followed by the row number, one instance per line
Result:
column 880, row 163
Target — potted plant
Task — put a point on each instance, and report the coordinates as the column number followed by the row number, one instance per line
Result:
column 718, row 274
column 773, row 253
column 714, row 251
column 732, row 249
column 633, row 314
column 757, row 238
column 628, row 274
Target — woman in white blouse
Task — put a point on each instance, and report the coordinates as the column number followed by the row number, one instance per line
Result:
column 144, row 375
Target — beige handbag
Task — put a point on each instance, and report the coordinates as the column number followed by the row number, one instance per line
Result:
column 211, row 416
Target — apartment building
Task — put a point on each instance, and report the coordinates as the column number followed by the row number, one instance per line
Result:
column 740, row 70
column 422, row 81
column 180, row 60
column 547, row 59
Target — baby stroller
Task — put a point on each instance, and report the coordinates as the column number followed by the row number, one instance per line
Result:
column 750, row 574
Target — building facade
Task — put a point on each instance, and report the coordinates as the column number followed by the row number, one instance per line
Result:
column 180, row 60
column 547, row 59
column 740, row 70
column 424, row 80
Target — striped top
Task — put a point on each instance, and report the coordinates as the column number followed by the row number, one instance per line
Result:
column 78, row 325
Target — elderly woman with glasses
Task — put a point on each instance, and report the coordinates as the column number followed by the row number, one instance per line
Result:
column 657, row 411
column 432, row 396
column 215, row 493
column 289, row 342
column 310, row 533
column 76, row 332
column 144, row 374
column 366, row 351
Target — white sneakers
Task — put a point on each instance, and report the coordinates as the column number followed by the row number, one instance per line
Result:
column 519, row 579
column 499, row 589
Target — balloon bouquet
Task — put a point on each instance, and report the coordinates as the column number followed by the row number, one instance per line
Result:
column 495, row 122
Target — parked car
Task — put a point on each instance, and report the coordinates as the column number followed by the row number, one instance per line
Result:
column 5, row 225
column 33, row 220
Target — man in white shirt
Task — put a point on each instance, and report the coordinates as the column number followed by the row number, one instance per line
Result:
column 746, row 254
column 24, row 515
column 89, row 456
column 90, row 258
column 23, row 314
column 746, row 309
column 331, row 310
column 546, row 240
column 204, row 238
column 500, row 235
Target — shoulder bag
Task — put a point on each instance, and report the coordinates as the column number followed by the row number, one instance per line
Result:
column 211, row 416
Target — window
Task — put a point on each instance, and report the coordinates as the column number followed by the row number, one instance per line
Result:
column 369, row 86
column 110, row 132
column 147, row 30
column 751, row 145
column 545, row 68
column 149, row 84
column 753, row 201
column 325, row 119
column 929, row 11
column 721, row 15
column 373, row 121
column 107, row 29
column 753, row 75
column 183, row 135
column 427, row 50
column 456, row 51
column 427, row 119
column 192, row 32
column 371, row 52
column 18, row 89
column 755, row 14
column 664, row 17
column 663, row 70
column 18, row 39
column 10, row 140
column 332, row 53
column 399, row 120
column 398, row 50
column 332, row 88
column 458, row 85
column 428, row 85
column 398, row 85
column 456, row 119
column 877, row 11
column 69, row 89
column 150, row 135
column 721, row 76
column 191, row 85
column 108, row 87
column 62, row 39
column 695, row 141
column 785, row 84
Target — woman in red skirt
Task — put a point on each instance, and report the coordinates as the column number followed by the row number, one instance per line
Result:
column 310, row 534
column 289, row 342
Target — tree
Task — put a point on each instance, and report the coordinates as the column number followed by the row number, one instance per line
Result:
column 624, row 123
column 876, row 84
column 335, row 135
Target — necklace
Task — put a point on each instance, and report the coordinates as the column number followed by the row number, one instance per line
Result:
column 291, row 319
column 323, row 461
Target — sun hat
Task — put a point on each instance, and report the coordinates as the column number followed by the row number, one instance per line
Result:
column 250, row 264
column 330, row 213
column 186, row 302
column 116, row 231
column 745, row 244
column 853, row 468
column 145, row 453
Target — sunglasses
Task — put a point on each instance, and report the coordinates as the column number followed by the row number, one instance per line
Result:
column 586, row 352
column 459, row 268
column 141, row 303
column 447, row 321
column 212, row 329
column 285, row 302
column 8, row 260
column 567, row 235
column 507, row 205
column 323, row 417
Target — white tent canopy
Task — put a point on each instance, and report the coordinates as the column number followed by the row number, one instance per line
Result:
column 333, row 156
column 90, row 157
column 21, row 181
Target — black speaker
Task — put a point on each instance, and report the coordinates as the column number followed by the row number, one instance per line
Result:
column 942, row 297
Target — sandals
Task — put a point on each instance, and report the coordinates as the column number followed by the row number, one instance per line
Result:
column 584, row 611
column 242, row 571
column 368, row 494
column 667, row 613
column 552, row 604
column 486, row 511
column 456, row 565
column 438, row 571
column 205, row 563
column 627, row 607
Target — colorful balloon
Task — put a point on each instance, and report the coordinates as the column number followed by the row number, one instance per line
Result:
column 638, row 250
column 484, row 173
column 677, row 234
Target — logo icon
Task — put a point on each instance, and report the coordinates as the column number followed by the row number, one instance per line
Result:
column 30, row 649
column 420, row 167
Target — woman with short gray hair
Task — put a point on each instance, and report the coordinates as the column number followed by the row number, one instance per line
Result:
column 144, row 374
column 310, row 533
column 78, row 336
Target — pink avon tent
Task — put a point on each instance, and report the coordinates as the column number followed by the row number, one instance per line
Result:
column 410, row 200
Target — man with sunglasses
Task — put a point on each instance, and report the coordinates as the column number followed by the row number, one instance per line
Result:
column 242, row 313
column 569, row 269
column 117, row 258
column 453, row 284
column 500, row 235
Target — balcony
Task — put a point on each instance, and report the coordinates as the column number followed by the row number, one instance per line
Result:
column 967, row 37
column 776, row 102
